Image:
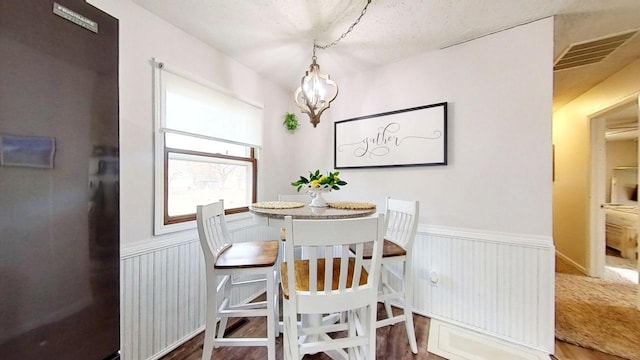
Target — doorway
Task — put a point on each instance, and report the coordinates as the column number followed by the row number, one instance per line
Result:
column 614, row 216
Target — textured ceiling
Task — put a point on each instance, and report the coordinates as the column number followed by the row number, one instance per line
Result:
column 275, row 37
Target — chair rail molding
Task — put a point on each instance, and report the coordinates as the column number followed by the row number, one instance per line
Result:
column 235, row 222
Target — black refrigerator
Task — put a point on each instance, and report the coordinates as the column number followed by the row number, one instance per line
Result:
column 59, row 181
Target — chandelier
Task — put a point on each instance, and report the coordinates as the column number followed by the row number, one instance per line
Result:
column 317, row 90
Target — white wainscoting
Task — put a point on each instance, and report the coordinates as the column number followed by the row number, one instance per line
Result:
column 498, row 284
column 495, row 283
column 163, row 293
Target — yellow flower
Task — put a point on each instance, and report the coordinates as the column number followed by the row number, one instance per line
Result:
column 322, row 179
column 315, row 183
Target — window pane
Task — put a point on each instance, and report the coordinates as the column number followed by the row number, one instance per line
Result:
column 184, row 142
column 196, row 180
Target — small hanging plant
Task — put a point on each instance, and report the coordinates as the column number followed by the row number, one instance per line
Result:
column 290, row 121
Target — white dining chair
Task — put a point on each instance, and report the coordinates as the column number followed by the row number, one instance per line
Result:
column 401, row 219
column 335, row 283
column 225, row 262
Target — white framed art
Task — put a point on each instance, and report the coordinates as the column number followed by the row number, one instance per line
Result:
column 409, row 137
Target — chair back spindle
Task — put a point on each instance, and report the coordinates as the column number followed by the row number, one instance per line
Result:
column 402, row 222
column 337, row 280
column 212, row 230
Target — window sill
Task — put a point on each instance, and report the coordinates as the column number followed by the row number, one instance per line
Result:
column 234, row 221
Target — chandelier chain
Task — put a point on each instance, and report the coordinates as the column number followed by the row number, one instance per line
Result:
column 316, row 46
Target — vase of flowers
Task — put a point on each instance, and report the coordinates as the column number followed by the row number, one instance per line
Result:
column 316, row 195
column 317, row 184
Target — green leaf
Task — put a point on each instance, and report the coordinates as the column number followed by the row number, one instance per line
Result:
column 290, row 121
column 331, row 180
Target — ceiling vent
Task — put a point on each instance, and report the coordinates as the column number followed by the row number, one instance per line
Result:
column 591, row 51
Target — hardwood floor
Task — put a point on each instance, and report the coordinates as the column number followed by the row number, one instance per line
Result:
column 391, row 343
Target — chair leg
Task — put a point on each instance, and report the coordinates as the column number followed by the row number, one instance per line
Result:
column 207, row 349
column 210, row 325
column 271, row 323
column 384, row 282
column 290, row 322
column 351, row 326
column 371, row 328
column 408, row 307
column 226, row 296
column 285, row 339
column 276, row 302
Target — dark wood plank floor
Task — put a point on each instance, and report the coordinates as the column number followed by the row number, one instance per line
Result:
column 391, row 344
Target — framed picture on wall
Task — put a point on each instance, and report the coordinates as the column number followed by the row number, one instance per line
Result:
column 28, row 151
column 409, row 137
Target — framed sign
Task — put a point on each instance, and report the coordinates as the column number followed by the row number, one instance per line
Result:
column 409, row 137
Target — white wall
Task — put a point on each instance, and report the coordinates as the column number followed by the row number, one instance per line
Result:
column 499, row 90
column 497, row 182
column 144, row 36
column 496, row 189
column 498, row 125
column 571, row 139
column 622, row 154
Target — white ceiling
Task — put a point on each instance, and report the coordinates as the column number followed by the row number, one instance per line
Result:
column 275, row 37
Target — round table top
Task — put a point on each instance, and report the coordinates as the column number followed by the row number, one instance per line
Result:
column 314, row 213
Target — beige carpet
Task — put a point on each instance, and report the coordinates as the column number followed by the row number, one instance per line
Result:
column 598, row 314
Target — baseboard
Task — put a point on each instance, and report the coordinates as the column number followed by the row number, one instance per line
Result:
column 177, row 344
column 572, row 263
column 456, row 343
column 494, row 337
